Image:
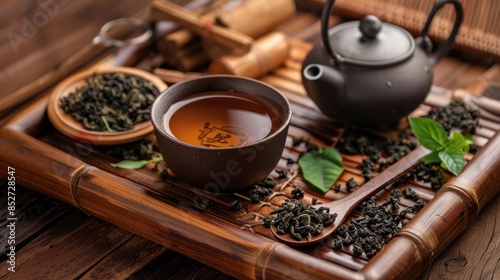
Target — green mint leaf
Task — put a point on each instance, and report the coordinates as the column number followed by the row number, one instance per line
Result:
column 449, row 150
column 459, row 141
column 321, row 168
column 429, row 133
column 454, row 150
column 433, row 157
column 457, row 138
column 453, row 162
column 469, row 139
column 130, row 164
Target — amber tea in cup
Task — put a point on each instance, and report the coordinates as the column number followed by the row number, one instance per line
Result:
column 221, row 133
column 221, row 119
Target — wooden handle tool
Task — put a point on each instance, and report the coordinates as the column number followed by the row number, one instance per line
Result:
column 164, row 10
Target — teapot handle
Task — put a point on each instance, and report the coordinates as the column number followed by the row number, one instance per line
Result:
column 424, row 40
column 325, row 20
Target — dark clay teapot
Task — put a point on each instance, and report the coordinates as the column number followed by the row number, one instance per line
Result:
column 369, row 72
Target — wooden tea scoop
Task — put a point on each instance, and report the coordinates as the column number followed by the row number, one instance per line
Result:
column 164, row 10
column 346, row 205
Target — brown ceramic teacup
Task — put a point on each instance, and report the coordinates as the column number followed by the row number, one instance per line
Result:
column 221, row 133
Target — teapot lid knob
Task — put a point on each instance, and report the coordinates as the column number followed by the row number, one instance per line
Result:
column 370, row 26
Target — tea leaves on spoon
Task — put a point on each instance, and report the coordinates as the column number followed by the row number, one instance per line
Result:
column 321, row 168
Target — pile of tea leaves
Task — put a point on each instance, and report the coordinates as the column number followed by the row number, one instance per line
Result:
column 111, row 102
column 455, row 115
column 299, row 219
column 376, row 223
column 373, row 224
column 381, row 154
column 137, row 150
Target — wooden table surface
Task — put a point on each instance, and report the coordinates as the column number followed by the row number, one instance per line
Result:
column 56, row 241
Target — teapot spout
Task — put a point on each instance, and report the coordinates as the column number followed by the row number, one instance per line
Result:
column 326, row 87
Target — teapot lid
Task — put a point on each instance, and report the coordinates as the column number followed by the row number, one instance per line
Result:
column 371, row 42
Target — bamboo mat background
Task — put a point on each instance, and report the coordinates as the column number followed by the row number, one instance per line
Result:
column 479, row 34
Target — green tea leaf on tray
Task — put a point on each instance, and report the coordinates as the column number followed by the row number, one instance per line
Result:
column 452, row 161
column 461, row 142
column 321, row 168
column 433, row 157
column 137, row 164
column 429, row 133
column 130, row 164
column 447, row 150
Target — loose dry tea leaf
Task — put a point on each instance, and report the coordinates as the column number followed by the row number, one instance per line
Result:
column 299, row 219
column 140, row 149
column 321, row 168
column 111, row 102
column 455, row 115
column 375, row 224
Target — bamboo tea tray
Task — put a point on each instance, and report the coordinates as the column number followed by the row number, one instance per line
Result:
column 205, row 228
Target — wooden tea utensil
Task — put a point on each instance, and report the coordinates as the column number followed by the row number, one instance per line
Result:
column 269, row 14
column 346, row 205
column 164, row 10
column 267, row 53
